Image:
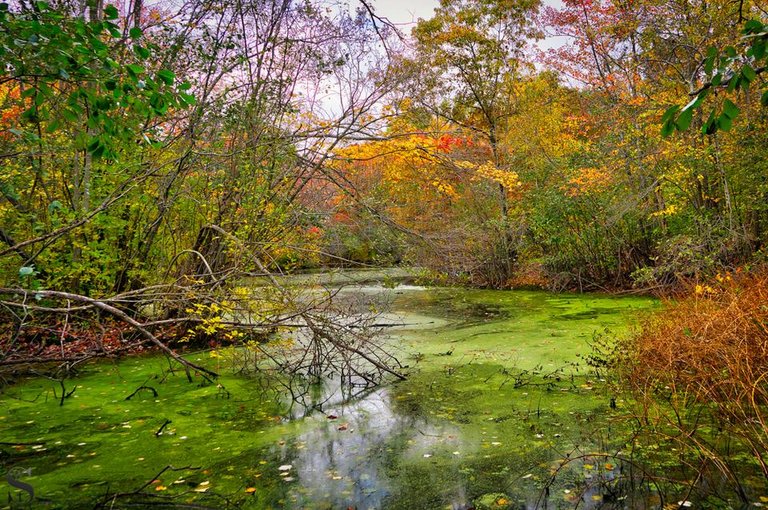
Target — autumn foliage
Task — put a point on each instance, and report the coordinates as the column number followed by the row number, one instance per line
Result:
column 707, row 353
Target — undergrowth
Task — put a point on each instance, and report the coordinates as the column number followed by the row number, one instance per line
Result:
column 697, row 370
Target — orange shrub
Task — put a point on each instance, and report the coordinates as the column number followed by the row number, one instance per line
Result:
column 707, row 351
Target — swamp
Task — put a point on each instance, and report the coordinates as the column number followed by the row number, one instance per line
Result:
column 384, row 254
column 499, row 406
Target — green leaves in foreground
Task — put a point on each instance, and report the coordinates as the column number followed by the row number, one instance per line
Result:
column 730, row 70
column 84, row 76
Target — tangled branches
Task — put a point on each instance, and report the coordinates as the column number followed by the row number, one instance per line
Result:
column 295, row 332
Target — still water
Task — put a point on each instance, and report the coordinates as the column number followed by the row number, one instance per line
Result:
column 499, row 411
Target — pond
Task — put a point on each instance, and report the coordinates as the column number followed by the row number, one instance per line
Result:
column 499, row 411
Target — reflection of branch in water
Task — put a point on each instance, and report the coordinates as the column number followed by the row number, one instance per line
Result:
column 609, row 483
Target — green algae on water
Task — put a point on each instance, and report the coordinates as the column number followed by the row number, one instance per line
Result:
column 497, row 393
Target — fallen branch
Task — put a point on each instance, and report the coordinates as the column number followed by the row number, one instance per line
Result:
column 121, row 315
column 150, row 388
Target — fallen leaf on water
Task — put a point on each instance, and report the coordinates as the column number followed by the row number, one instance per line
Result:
column 161, row 488
column 609, row 466
column 250, row 490
column 285, row 467
column 527, row 476
column 331, row 416
column 201, row 489
column 764, row 499
column 343, row 426
column 202, row 484
column 597, row 497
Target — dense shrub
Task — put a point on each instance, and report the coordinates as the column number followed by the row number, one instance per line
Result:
column 699, row 372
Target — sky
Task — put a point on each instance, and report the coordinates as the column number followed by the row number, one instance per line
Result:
column 405, row 13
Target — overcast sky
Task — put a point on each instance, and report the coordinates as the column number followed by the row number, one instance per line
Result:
column 405, row 13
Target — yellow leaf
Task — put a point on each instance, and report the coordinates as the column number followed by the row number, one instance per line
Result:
column 161, row 488
column 250, row 490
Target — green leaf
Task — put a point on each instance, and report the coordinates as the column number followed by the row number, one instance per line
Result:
column 111, row 12
column 724, row 122
column 684, row 120
column 764, row 98
column 54, row 206
column 166, row 76
column 667, row 128
column 53, row 126
column 134, row 69
column 70, row 115
column 188, row 98
column 709, row 65
column 670, row 113
column 753, row 27
column 135, row 33
column 141, row 51
column 734, row 83
column 758, row 49
column 748, row 73
column 730, row 110
column 99, row 151
column 710, row 126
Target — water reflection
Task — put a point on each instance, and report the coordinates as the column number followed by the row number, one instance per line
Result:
column 343, row 462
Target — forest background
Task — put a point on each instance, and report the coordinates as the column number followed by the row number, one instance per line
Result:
column 156, row 154
column 160, row 158
column 317, row 135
